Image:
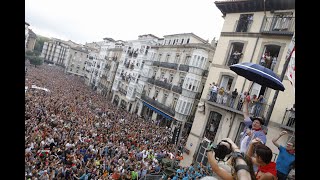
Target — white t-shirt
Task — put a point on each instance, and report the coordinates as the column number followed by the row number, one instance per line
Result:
column 243, row 147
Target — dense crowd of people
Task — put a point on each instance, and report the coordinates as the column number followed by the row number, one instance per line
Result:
column 74, row 133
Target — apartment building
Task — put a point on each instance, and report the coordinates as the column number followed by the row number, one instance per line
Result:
column 77, row 60
column 173, row 79
column 112, row 57
column 26, row 34
column 32, row 37
column 254, row 31
column 126, row 83
column 56, row 52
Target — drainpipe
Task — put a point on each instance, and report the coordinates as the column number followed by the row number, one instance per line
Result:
column 231, row 122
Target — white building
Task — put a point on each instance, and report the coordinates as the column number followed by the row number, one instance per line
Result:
column 173, row 78
column 126, row 83
column 77, row 60
column 254, row 29
column 56, row 52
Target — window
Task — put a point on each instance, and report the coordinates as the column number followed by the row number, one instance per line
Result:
column 187, row 60
column 149, row 90
column 167, row 58
column 171, row 78
column 174, row 102
column 226, row 82
column 235, row 53
column 182, row 41
column 156, row 94
column 244, row 22
column 181, row 80
column 188, row 40
column 177, row 59
column 162, row 75
column 169, row 42
column 159, row 57
column 164, row 100
column 174, row 41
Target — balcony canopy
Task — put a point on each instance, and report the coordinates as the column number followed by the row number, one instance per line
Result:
column 238, row 6
column 157, row 111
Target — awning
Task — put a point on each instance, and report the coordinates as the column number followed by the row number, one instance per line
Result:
column 157, row 111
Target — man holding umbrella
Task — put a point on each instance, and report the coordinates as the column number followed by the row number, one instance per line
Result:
column 255, row 131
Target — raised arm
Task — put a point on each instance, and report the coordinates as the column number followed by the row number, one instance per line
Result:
column 215, row 168
column 245, row 109
column 274, row 140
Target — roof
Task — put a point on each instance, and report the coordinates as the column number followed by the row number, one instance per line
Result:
column 188, row 34
column 32, row 34
column 149, row 35
column 238, row 6
column 109, row 39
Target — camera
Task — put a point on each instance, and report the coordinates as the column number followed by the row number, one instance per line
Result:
column 220, row 150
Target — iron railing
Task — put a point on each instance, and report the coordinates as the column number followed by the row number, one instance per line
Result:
column 122, row 91
column 163, row 84
column 169, row 65
column 158, row 105
column 255, row 108
column 156, row 63
column 184, row 67
column 278, row 25
column 177, row 89
column 288, row 120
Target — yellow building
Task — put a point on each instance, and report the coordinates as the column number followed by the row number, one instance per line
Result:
column 252, row 30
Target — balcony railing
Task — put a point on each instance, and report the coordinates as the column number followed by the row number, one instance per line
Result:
column 156, row 63
column 205, row 73
column 158, row 105
column 255, row 108
column 163, row 84
column 184, row 67
column 122, row 91
column 198, row 96
column 277, row 25
column 169, row 65
column 151, row 80
column 177, row 89
column 288, row 121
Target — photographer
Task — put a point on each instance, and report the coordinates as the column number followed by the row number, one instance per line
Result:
column 241, row 164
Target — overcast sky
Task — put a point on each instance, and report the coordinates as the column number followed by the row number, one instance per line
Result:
column 92, row 20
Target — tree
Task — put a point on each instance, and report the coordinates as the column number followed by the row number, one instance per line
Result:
column 39, row 44
column 36, row 60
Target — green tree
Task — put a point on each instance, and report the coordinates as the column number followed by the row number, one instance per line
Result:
column 36, row 60
column 39, row 44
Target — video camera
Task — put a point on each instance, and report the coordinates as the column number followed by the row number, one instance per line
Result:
column 220, row 150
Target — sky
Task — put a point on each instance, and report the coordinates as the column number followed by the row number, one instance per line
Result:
column 92, row 20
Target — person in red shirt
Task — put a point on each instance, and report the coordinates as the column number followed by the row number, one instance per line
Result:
column 262, row 158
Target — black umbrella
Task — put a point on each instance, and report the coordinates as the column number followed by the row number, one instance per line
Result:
column 258, row 74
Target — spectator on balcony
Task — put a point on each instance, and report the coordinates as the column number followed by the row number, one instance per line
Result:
column 273, row 63
column 241, row 100
column 285, row 158
column 213, row 92
column 234, row 95
column 255, row 131
column 225, row 97
column 220, row 95
column 253, row 103
column 236, row 57
column 292, row 116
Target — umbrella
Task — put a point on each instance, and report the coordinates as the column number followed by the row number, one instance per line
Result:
column 258, row 74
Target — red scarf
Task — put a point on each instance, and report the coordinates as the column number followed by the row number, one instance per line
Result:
column 271, row 168
column 257, row 129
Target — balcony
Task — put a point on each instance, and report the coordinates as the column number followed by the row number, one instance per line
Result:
column 198, row 96
column 156, row 63
column 158, row 105
column 122, row 91
column 169, row 65
column 278, row 26
column 184, row 67
column 177, row 89
column 288, row 121
column 228, row 102
column 163, row 84
column 205, row 73
column 150, row 80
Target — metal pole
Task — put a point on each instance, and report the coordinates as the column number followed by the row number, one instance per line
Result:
column 284, row 70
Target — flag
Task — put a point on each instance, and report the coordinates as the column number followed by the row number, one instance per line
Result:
column 291, row 69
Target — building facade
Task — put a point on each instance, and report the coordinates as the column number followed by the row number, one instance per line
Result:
column 32, row 37
column 126, row 82
column 26, row 34
column 77, row 60
column 252, row 32
column 56, row 52
column 173, row 78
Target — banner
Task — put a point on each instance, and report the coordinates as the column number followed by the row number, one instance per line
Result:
column 291, row 69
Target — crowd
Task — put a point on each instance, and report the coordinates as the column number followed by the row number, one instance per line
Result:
column 74, row 133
